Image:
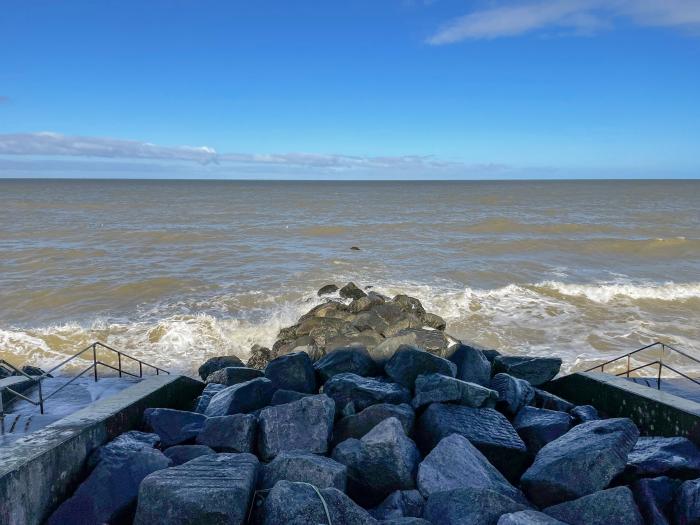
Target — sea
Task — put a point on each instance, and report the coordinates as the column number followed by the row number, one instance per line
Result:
column 175, row 271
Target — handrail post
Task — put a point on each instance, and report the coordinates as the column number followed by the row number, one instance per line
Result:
column 140, row 369
column 94, row 360
column 628, row 366
column 2, row 407
column 119, row 358
column 41, row 399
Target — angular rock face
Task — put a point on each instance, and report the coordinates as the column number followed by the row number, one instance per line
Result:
column 584, row 413
column 180, row 454
column 686, row 508
column 123, row 443
column 582, row 461
column 654, row 497
column 241, row 398
column 528, row 517
column 353, row 359
column 305, row 425
column 173, row 426
column 513, row 393
column 217, row 363
column 677, row 457
column 320, row 471
column 357, row 425
column 203, row 400
column 292, row 372
column 280, row 397
column 327, row 290
column 534, row 370
column 434, row 321
column 606, row 507
column 410, row 305
column 472, row 365
column 544, row 399
column 539, row 426
column 383, row 461
column 362, row 392
column 229, row 433
column 232, row 375
column 455, row 464
column 438, row 388
column 215, row 489
column 400, row 504
column 469, row 507
column 405, row 521
column 351, row 291
column 432, row 341
column 410, row 362
column 259, row 357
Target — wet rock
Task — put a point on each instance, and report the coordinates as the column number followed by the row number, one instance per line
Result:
column 366, row 338
column 539, row 426
column 352, row 359
column 365, row 303
column 469, row 507
column 513, row 393
column 410, row 305
column 581, row 462
column 234, row 433
column 584, row 413
column 203, row 400
column 409, row 362
column 357, row 425
column 383, row 461
column 304, row 425
column 654, row 497
column 217, row 363
column 606, row 507
column 389, row 312
column 490, row 354
column 544, row 399
column 405, row 521
column 280, row 397
column 686, row 507
column 180, row 454
column 241, row 398
column 400, row 504
column 455, row 463
column 292, row 372
column 438, row 388
column 528, row 517
column 214, row 489
column 123, row 443
column 259, row 357
column 34, row 371
column 351, row 291
column 173, row 426
column 472, row 365
column 361, row 392
column 232, row 375
column 534, row 370
column 434, row 321
column 406, row 322
column 432, row 341
column 370, row 321
column 677, row 457
column 327, row 290
column 320, row 471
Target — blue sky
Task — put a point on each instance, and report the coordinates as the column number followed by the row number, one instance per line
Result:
column 351, row 89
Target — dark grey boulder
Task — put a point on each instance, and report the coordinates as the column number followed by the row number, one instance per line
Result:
column 581, row 462
column 406, row 322
column 534, row 370
column 409, row 362
column 305, row 425
column 405, row 521
column 454, row 464
column 410, row 305
column 383, row 461
column 390, row 312
column 469, row 507
column 400, row 504
column 434, row 321
column 357, row 425
column 353, row 359
column 432, row 341
column 126, row 442
column 370, row 321
column 676, row 457
column 472, row 365
column 544, row 399
column 215, row 489
column 180, row 454
column 205, row 397
column 173, row 426
column 217, row 363
column 363, row 304
column 280, row 397
column 327, row 290
column 513, row 393
column 487, row 429
column 654, row 497
column 259, row 357
column 292, row 372
column 234, row 433
column 241, row 398
column 320, row 471
column 686, row 506
column 584, row 413
column 539, row 426
column 528, row 517
column 232, row 375
column 438, row 388
column 490, row 354
column 361, row 392
column 606, row 507
column 351, row 291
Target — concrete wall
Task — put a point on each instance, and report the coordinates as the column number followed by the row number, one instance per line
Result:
column 40, row 470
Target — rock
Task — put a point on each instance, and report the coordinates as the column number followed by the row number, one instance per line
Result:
column 203, row 400
column 365, row 303
column 434, row 321
column 123, row 443
column 361, row 392
column 355, row 248
column 468, row 507
column 327, row 290
column 241, row 398
column 400, row 504
column 303, row 466
column 584, row 413
column 534, row 370
column 383, row 461
column 410, row 362
column 438, row 388
column 389, row 312
column 654, row 497
column 488, row 430
column 528, row 517
column 234, row 433
column 259, row 357
column 472, row 365
column 686, row 507
column 217, row 363
column 34, row 371
column 232, row 375
column 351, row 291
column 432, row 341
column 489, row 354
column 292, row 372
column 357, row 425
column 581, row 462
column 180, row 454
column 305, row 425
column 677, row 457
column 606, row 507
column 304, row 344
column 352, row 359
column 406, row 322
column 405, row 521
column 544, row 399
column 539, row 426
column 454, row 464
column 294, row 503
column 215, row 489
column 513, row 393
column 280, row 397
column 370, row 321
column 173, row 426
column 410, row 305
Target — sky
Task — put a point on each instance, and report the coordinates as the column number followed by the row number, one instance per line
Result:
column 382, row 89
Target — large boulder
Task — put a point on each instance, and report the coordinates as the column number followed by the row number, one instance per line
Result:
column 217, row 363
column 215, row 489
column 438, row 388
column 241, row 398
column 455, row 463
column 259, row 357
column 513, row 393
column 534, row 370
column 400, row 504
column 351, row 291
column 327, row 289
column 357, row 425
column 352, row 359
column 410, row 305
column 432, row 341
column 360, row 392
column 654, row 497
column 173, row 426
column 305, row 425
column 204, row 398
column 320, row 471
column 606, row 507
column 677, row 457
column 405, row 521
column 434, row 321
column 581, row 462
column 234, row 433
column 544, row 399
column 123, row 443
column 528, row 517
column 232, row 375
column 686, row 506
column 539, row 426
column 292, row 372
column 409, row 362
column 469, row 506
column 180, row 454
column 472, row 365
column 383, row 461
column 280, row 397
column 584, row 413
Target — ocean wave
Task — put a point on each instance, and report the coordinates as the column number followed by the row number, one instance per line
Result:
column 607, row 292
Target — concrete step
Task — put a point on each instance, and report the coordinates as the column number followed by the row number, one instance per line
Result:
column 15, row 426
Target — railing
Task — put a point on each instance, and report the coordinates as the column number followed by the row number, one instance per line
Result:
column 93, row 366
column 659, row 362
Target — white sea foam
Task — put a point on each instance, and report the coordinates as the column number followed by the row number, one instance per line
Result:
column 606, row 292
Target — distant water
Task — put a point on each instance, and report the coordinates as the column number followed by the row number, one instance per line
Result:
column 175, row 271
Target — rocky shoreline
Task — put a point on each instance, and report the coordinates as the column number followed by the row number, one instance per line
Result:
column 367, row 412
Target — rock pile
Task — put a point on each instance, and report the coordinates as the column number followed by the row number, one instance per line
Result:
column 366, row 412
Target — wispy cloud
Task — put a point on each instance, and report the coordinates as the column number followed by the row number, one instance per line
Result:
column 576, row 16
